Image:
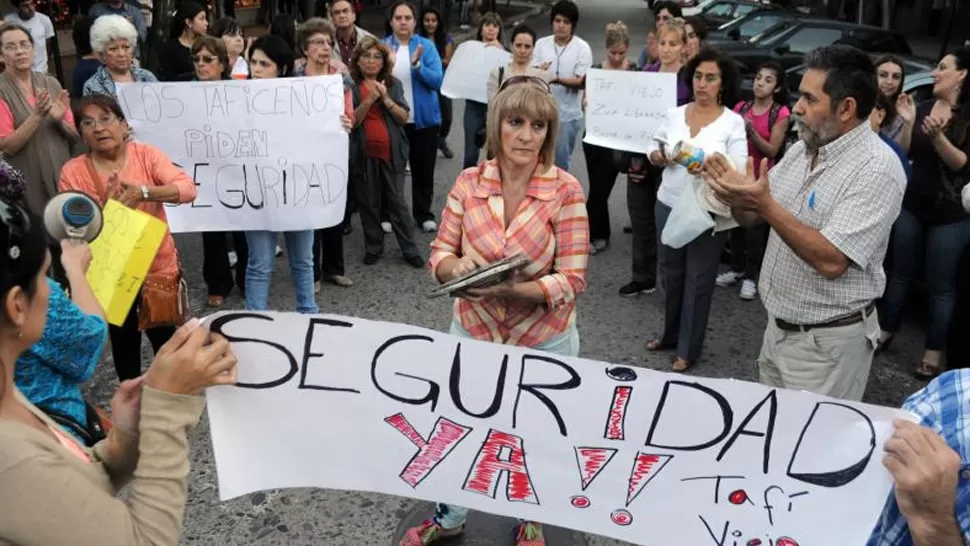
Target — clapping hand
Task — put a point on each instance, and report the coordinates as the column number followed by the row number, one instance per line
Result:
column 60, row 106
column 932, row 126
column 742, row 191
column 417, row 54
column 43, row 103
column 906, row 109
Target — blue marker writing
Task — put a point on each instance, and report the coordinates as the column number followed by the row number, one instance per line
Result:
column 811, row 200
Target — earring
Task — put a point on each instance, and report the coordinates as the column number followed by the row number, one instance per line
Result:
column 20, row 333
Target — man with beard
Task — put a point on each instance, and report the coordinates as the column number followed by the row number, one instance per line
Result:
column 40, row 27
column 831, row 202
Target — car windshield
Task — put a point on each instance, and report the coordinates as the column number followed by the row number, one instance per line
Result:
column 771, row 33
column 757, row 24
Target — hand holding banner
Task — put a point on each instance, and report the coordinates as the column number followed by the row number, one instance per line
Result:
column 121, row 257
column 625, row 108
column 629, row 453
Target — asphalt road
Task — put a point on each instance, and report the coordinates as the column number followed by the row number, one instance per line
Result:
column 612, row 328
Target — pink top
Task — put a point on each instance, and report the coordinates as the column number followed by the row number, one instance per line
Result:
column 145, row 165
column 6, row 117
column 760, row 124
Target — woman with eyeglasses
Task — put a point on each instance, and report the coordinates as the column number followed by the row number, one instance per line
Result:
column 381, row 113
column 523, row 44
column 139, row 176
column 542, row 215
column 418, row 67
column 316, row 39
column 211, row 59
column 175, row 57
column 643, row 178
column 605, row 164
column 234, row 37
column 473, row 120
column 114, row 39
column 55, row 489
column 36, row 122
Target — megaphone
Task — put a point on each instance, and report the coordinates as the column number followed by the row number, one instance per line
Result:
column 73, row 215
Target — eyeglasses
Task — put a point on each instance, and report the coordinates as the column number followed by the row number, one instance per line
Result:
column 523, row 79
column 319, row 42
column 663, row 17
column 205, row 59
column 372, row 57
column 103, row 120
column 18, row 224
column 21, row 46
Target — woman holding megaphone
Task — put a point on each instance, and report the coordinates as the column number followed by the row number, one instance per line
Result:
column 55, row 490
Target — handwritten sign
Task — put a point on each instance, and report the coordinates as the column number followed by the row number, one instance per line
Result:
column 121, row 257
column 637, row 455
column 264, row 154
column 625, row 108
column 467, row 74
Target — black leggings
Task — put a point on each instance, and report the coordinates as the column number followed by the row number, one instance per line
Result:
column 126, row 343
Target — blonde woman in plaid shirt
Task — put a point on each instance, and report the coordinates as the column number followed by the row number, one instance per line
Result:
column 518, row 202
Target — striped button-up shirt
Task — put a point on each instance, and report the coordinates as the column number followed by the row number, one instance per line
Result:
column 944, row 406
column 550, row 228
column 852, row 197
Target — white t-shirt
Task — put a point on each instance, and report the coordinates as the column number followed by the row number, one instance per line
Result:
column 240, row 70
column 41, row 29
column 725, row 134
column 402, row 71
column 569, row 61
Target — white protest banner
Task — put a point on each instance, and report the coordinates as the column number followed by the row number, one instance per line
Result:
column 625, row 108
column 264, row 154
column 638, row 455
column 468, row 71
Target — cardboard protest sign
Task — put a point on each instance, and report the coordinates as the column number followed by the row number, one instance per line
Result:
column 625, row 108
column 265, row 154
column 467, row 74
column 642, row 456
column 121, row 257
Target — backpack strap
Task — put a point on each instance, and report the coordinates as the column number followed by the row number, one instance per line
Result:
column 501, row 75
column 745, row 107
column 773, row 115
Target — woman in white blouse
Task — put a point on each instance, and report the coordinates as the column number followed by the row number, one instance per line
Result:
column 688, row 272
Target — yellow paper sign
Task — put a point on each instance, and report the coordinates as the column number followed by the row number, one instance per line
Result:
column 121, row 256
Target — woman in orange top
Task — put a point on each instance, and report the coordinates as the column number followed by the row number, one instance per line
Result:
column 517, row 203
column 140, row 176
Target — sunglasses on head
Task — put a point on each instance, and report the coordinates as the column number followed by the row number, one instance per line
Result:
column 18, row 224
column 523, row 79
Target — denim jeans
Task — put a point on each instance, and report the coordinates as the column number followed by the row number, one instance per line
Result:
column 463, row 12
column 262, row 261
column 938, row 249
column 472, row 121
column 566, row 142
column 449, row 516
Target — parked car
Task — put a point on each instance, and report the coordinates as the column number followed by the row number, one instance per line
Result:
column 752, row 25
column 789, row 41
column 720, row 12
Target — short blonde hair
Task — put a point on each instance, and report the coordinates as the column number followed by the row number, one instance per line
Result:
column 526, row 100
column 617, row 34
column 674, row 25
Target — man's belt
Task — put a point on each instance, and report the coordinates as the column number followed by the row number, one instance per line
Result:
column 849, row 320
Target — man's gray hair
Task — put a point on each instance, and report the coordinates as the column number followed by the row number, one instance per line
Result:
column 109, row 28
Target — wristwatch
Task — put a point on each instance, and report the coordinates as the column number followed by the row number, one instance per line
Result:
column 144, row 193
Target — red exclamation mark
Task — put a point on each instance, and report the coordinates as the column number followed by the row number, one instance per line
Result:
column 616, row 420
column 646, row 466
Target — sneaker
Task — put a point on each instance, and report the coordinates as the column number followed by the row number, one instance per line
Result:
column 529, row 533
column 464, row 27
column 635, row 288
column 445, row 150
column 279, row 251
column 429, row 226
column 386, row 227
column 749, row 290
column 416, row 262
column 427, row 533
column 599, row 245
column 407, row 167
column 233, row 258
column 340, row 280
column 730, row 278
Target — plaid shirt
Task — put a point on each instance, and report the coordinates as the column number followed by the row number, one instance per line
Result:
column 852, row 198
column 944, row 406
column 550, row 227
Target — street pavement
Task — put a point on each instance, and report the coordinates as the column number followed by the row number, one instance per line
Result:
column 612, row 329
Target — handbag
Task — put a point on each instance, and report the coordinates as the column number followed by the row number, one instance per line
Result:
column 164, row 297
column 99, row 424
column 687, row 219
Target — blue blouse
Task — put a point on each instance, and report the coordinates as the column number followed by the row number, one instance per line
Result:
column 51, row 371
